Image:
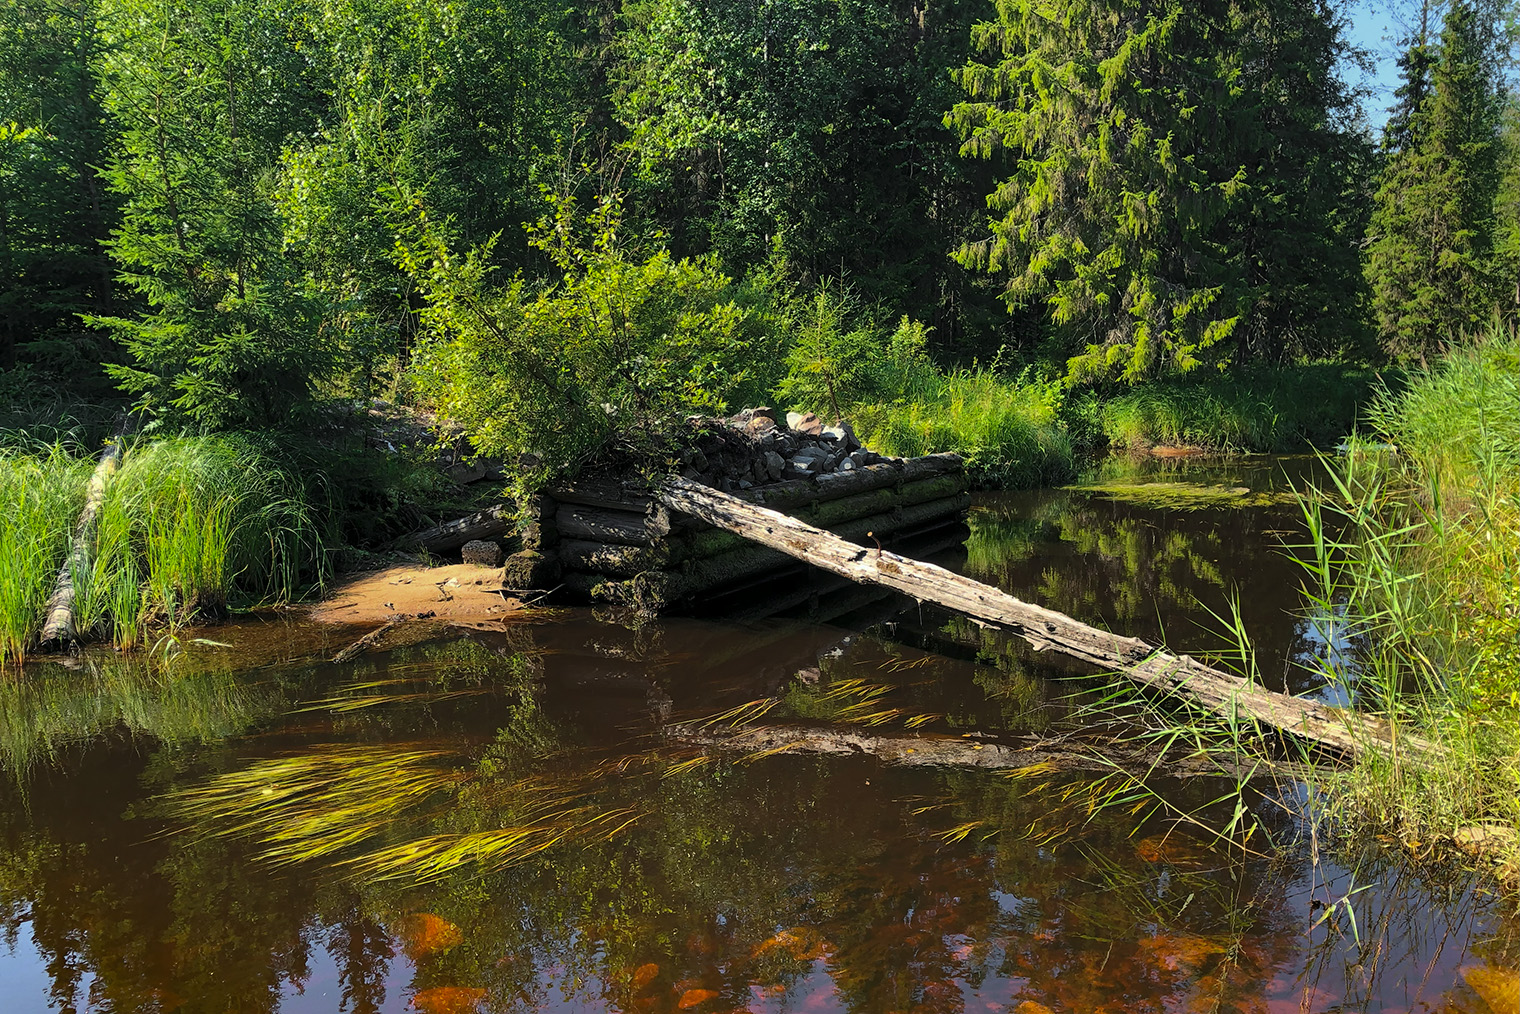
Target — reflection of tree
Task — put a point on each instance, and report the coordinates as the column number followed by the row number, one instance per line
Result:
column 775, row 878
column 1146, row 572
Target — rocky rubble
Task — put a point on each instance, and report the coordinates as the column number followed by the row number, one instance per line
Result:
column 754, row 447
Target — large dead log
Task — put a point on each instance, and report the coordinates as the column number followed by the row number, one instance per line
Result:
column 490, row 523
column 1338, row 729
column 1091, row 753
column 58, row 626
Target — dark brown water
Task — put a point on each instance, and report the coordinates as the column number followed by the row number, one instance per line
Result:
column 245, row 829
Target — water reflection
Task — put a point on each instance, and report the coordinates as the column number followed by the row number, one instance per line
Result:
column 790, row 883
column 1153, row 572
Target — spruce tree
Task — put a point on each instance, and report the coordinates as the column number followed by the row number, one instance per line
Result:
column 1430, row 263
column 206, row 92
column 1179, row 169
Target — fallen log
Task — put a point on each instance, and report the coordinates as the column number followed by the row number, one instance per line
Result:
column 58, row 626
column 496, row 520
column 1340, row 730
column 1094, row 754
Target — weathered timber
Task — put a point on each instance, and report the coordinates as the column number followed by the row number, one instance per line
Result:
column 1334, row 728
column 366, row 642
column 798, row 493
column 1095, row 754
column 490, row 523
column 601, row 524
column 58, row 625
column 612, row 559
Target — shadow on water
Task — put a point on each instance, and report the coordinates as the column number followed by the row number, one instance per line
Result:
column 493, row 821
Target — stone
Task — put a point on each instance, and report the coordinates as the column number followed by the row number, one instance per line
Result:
column 809, row 424
column 775, row 464
column 764, row 411
column 481, row 553
column 760, row 426
column 847, row 465
column 530, row 569
column 463, row 474
column 842, row 433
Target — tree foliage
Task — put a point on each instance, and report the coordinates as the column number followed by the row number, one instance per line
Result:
column 607, row 358
column 1179, row 195
column 1431, row 260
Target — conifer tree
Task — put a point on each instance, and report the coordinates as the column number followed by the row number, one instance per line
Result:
column 1178, row 164
column 206, row 91
column 54, row 208
column 1430, row 263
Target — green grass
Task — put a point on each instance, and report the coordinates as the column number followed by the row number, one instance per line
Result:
column 1421, row 548
column 40, row 497
column 1288, row 409
column 191, row 525
column 1008, row 430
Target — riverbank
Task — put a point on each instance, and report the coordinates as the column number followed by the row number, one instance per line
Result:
column 1415, row 543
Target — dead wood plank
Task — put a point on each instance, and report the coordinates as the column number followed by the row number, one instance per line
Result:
column 1222, row 692
column 494, row 521
column 601, row 524
column 58, row 626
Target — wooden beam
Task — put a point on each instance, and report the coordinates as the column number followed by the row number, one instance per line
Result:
column 1341, row 730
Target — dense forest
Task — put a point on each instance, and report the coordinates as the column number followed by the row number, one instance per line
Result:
column 265, row 240
column 234, row 210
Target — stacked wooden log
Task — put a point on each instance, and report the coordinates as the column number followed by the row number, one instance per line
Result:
column 612, row 542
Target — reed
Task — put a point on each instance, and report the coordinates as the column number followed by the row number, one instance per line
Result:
column 1286, row 409
column 1419, row 548
column 40, row 496
column 192, row 525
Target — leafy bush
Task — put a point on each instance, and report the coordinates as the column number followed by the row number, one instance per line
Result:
column 607, row 359
column 841, row 362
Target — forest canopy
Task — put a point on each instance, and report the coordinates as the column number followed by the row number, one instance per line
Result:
column 232, row 211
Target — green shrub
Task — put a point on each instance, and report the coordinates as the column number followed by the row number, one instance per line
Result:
column 842, row 362
column 608, row 359
column 1009, row 431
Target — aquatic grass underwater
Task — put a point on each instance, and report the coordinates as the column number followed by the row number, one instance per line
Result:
column 192, row 525
column 40, row 497
column 1421, row 547
column 1286, row 409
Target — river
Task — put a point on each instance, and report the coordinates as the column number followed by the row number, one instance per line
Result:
column 497, row 819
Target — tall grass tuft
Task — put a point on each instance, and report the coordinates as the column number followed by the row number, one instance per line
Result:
column 1286, row 409
column 192, row 524
column 40, row 498
column 1007, row 429
column 1421, row 548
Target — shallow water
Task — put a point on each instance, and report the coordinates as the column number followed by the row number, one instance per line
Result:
column 241, row 828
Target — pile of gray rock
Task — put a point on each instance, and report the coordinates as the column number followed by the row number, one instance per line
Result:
column 755, row 447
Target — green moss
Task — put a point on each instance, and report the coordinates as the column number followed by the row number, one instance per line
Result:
column 1185, row 496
